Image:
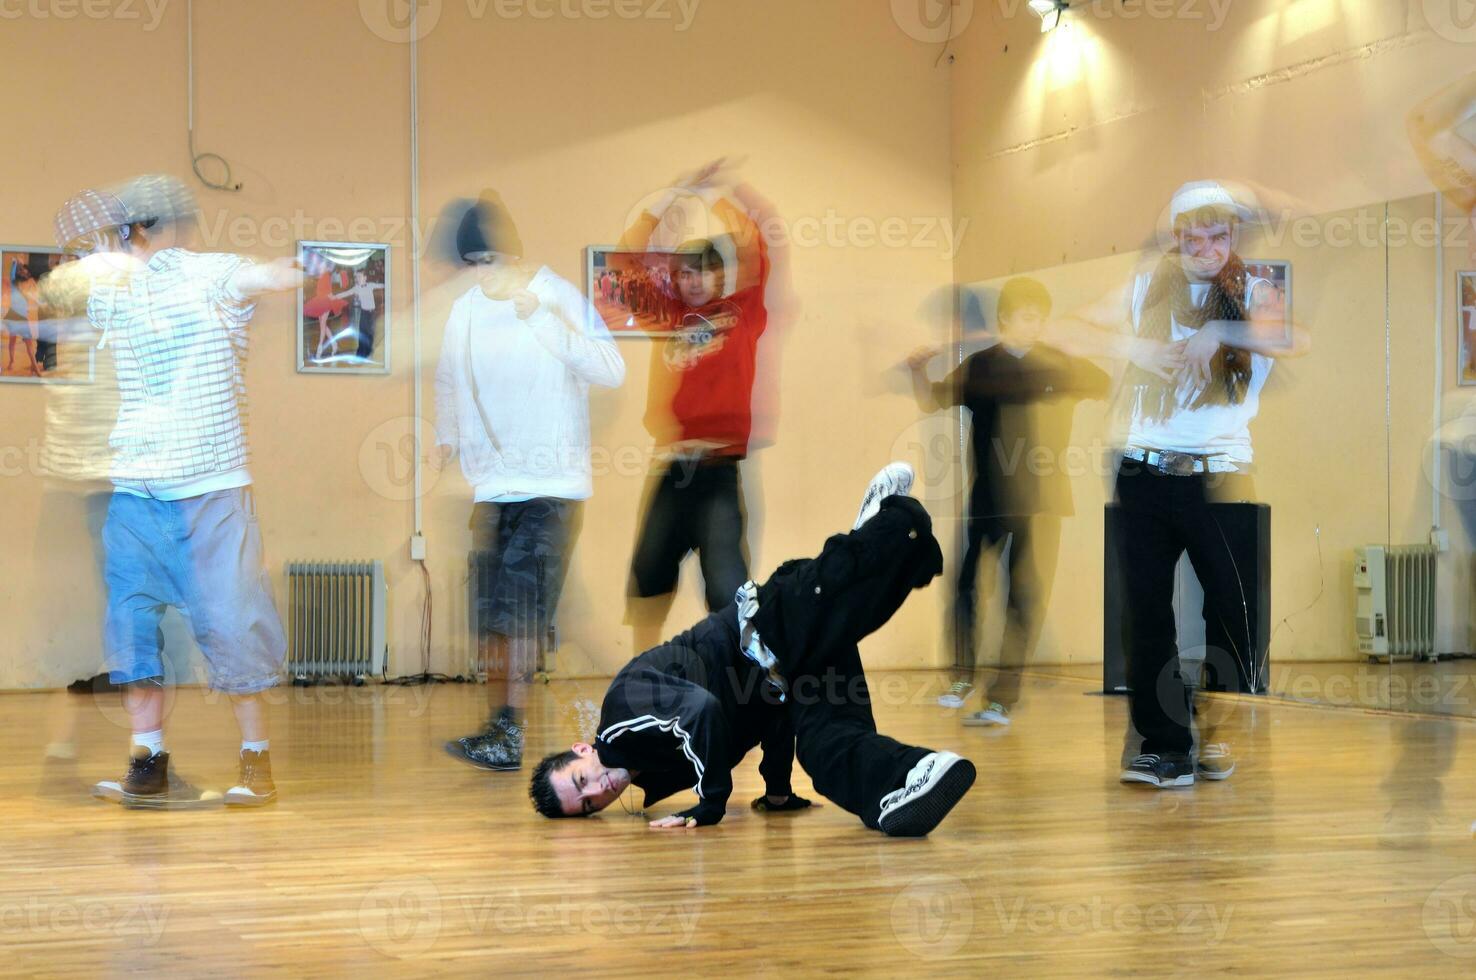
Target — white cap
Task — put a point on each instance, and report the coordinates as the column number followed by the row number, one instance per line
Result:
column 1204, row 193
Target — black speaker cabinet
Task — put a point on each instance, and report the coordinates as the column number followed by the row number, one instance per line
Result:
column 1247, row 529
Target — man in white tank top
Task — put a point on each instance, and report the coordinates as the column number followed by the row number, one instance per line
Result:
column 1202, row 335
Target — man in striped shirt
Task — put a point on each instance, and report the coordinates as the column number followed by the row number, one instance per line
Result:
column 181, row 527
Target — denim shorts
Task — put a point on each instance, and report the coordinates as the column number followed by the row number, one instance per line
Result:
column 203, row 556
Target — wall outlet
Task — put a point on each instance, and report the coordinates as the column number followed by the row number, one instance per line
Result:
column 417, row 547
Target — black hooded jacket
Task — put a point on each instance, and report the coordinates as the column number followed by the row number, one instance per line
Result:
column 682, row 715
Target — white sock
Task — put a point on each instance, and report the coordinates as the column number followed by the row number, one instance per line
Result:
column 255, row 746
column 153, row 741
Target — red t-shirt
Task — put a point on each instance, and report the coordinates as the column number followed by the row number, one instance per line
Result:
column 711, row 363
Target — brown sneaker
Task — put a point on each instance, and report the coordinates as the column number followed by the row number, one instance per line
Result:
column 149, row 786
column 255, row 787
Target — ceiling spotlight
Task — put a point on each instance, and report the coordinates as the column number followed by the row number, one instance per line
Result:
column 1049, row 12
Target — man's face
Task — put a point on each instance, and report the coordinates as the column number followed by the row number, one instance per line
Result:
column 698, row 286
column 1204, row 249
column 1023, row 326
column 586, row 785
column 496, row 271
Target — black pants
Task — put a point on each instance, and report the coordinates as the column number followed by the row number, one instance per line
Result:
column 1034, row 543
column 367, row 319
column 693, row 506
column 812, row 613
column 1163, row 517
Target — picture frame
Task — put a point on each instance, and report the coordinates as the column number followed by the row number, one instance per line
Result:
column 631, row 290
column 337, row 331
column 29, row 352
column 1466, row 326
column 1279, row 273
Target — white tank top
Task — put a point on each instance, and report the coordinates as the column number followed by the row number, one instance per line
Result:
column 1210, row 430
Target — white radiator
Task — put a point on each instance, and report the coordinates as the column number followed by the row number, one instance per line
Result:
column 1395, row 610
column 335, row 619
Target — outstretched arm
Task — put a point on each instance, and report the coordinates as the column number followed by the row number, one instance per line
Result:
column 1442, row 130
column 1103, row 329
column 251, row 279
column 931, row 396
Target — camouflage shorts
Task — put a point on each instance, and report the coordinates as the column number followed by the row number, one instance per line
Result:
column 519, row 558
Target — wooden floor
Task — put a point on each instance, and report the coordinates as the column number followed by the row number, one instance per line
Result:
column 1444, row 687
column 1341, row 848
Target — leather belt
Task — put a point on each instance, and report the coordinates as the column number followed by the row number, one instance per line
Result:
column 1180, row 464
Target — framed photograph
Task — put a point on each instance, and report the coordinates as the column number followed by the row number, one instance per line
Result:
column 1466, row 314
column 343, row 309
column 1279, row 274
column 35, row 348
column 632, row 290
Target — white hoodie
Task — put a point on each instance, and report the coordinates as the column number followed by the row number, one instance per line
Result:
column 512, row 395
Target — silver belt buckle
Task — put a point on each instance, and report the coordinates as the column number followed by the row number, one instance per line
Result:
column 1176, row 464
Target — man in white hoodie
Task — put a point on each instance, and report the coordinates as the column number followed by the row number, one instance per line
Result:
column 512, row 398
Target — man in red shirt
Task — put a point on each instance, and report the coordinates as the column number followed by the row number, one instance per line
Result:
column 700, row 406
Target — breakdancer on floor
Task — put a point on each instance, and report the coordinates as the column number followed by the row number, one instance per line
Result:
column 683, row 714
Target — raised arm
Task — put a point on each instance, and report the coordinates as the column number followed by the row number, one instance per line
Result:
column 748, row 239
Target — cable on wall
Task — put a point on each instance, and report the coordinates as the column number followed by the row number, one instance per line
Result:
column 196, row 159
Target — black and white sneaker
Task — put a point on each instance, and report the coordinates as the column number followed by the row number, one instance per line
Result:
column 498, row 749
column 894, row 479
column 933, row 787
column 1163, row 771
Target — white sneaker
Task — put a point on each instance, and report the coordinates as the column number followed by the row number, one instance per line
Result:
column 995, row 714
column 956, row 695
column 933, row 787
column 894, row 478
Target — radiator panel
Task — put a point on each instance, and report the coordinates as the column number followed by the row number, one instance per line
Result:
column 1395, row 589
column 336, row 619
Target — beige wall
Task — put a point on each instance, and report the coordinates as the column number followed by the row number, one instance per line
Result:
column 1057, row 151
column 834, row 110
column 1068, row 145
